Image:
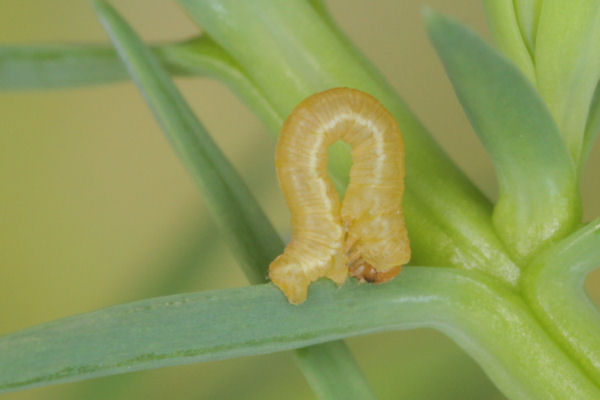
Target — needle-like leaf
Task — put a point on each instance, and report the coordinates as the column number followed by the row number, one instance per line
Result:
column 538, row 198
column 58, row 66
column 250, row 234
column 207, row 326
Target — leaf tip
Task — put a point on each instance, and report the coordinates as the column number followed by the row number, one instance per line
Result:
column 431, row 17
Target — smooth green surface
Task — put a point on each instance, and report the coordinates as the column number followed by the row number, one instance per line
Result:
column 593, row 126
column 251, row 235
column 57, row 66
column 71, row 65
column 322, row 366
column 448, row 219
column 507, row 33
column 523, row 361
column 528, row 13
column 553, row 286
column 538, row 200
column 567, row 63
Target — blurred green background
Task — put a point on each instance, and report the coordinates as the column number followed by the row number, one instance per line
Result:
column 96, row 210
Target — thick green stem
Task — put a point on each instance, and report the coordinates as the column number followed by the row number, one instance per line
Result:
column 490, row 322
column 290, row 52
column 553, row 287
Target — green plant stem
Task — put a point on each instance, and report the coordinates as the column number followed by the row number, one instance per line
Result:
column 250, row 234
column 322, row 365
column 554, row 287
column 523, row 361
column 301, row 53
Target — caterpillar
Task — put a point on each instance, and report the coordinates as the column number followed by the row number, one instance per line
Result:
column 365, row 235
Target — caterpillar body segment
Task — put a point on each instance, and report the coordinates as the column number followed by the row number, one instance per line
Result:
column 366, row 233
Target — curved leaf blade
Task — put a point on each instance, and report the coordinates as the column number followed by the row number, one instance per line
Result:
column 254, row 320
column 538, row 198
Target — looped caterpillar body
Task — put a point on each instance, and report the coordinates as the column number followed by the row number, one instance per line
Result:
column 365, row 235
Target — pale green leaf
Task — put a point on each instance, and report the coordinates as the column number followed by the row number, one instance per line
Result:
column 507, row 34
column 538, row 198
column 567, row 62
column 322, row 365
column 528, row 13
column 593, row 126
column 58, row 66
column 254, row 320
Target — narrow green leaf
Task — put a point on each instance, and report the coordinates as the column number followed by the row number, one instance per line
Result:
column 507, row 34
column 528, row 13
column 322, row 364
column 523, row 361
column 320, row 7
column 554, row 287
column 71, row 65
column 299, row 54
column 250, row 234
column 538, row 198
column 593, row 126
column 567, row 62
column 58, row 66
column 65, row 66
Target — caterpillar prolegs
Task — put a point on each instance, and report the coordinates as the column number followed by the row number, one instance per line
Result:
column 365, row 236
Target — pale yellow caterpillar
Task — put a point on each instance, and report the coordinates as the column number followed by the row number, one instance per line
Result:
column 366, row 236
